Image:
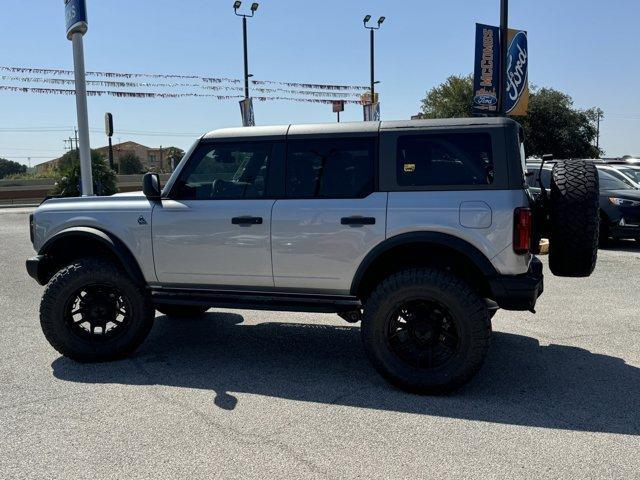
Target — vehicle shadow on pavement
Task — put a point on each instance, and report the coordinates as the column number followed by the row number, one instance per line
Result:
column 621, row 246
column 522, row 382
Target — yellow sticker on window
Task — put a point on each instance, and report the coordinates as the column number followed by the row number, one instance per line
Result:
column 409, row 167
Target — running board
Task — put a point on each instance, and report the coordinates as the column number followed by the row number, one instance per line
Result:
column 278, row 301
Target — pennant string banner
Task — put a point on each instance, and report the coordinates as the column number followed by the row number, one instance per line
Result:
column 101, row 83
column 214, row 80
column 98, row 93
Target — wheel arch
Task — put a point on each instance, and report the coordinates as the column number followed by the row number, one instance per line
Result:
column 424, row 249
column 76, row 242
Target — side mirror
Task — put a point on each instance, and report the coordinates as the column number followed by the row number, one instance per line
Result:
column 151, row 186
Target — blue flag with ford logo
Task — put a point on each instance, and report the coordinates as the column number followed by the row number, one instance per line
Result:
column 75, row 13
column 516, row 100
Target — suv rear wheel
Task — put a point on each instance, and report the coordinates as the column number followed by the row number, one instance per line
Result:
column 426, row 331
column 92, row 311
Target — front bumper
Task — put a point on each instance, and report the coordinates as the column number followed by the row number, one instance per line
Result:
column 36, row 269
column 519, row 292
column 626, row 231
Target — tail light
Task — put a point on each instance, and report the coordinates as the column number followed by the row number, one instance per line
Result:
column 522, row 229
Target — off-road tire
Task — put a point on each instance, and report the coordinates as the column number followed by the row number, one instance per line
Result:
column 466, row 307
column 575, row 219
column 181, row 311
column 61, row 288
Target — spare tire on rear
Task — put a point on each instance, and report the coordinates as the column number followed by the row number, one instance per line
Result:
column 574, row 219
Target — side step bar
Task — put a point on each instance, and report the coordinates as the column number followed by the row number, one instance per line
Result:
column 279, row 301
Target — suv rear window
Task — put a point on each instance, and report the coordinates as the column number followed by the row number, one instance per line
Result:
column 445, row 159
column 336, row 168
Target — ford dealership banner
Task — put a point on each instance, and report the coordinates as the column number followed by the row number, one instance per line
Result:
column 487, row 72
column 516, row 99
column 487, row 69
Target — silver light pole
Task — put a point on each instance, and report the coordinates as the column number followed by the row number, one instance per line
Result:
column 83, row 116
column 77, row 26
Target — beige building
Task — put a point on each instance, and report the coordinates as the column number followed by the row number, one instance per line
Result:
column 152, row 158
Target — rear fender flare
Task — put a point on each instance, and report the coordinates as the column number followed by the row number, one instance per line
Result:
column 437, row 239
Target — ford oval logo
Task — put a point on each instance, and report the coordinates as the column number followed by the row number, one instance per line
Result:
column 485, row 100
column 517, row 67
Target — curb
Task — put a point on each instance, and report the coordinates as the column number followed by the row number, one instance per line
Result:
column 19, row 205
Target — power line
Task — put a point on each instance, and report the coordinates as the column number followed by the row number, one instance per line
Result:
column 31, row 149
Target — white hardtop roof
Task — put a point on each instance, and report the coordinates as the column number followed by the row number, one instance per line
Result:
column 350, row 127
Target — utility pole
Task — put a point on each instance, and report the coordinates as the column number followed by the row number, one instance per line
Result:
column 600, row 113
column 372, row 29
column 76, row 136
column 246, row 105
column 504, row 31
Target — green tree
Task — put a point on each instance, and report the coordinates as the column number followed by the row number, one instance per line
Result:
column 68, row 184
column 9, row 167
column 552, row 125
column 130, row 164
column 450, row 99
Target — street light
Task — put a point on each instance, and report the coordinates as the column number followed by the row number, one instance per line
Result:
column 254, row 7
column 372, row 29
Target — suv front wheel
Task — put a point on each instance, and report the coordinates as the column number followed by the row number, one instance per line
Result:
column 426, row 331
column 92, row 311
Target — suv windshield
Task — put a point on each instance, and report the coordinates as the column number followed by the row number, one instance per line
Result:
column 632, row 173
column 609, row 182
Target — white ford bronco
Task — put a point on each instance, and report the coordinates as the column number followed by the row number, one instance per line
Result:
column 419, row 229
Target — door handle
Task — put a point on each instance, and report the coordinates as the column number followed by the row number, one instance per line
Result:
column 355, row 220
column 246, row 220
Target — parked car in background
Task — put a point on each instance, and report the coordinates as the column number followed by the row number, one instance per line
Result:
column 619, row 199
column 631, row 170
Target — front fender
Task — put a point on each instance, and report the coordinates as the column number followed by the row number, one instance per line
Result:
column 74, row 241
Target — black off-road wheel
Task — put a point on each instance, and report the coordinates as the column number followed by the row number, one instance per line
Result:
column 575, row 219
column 181, row 311
column 91, row 311
column 426, row 331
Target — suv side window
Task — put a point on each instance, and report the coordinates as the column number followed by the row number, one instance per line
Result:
column 225, row 171
column 339, row 167
column 445, row 159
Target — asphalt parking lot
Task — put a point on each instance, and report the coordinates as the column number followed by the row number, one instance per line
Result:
column 248, row 394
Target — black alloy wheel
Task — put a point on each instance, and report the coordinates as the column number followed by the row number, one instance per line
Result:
column 98, row 312
column 423, row 333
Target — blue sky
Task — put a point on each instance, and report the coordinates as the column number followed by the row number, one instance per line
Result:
column 587, row 48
